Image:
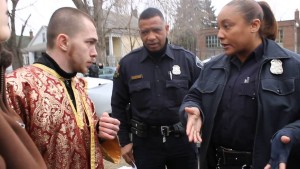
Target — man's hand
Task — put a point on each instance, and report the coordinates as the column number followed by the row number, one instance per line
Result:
column 194, row 123
column 280, row 150
column 108, row 127
column 127, row 154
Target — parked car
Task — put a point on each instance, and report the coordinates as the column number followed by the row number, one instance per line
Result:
column 99, row 91
column 107, row 72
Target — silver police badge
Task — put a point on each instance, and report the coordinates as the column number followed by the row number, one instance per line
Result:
column 276, row 67
column 176, row 70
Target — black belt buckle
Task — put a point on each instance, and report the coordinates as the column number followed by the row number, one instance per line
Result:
column 165, row 130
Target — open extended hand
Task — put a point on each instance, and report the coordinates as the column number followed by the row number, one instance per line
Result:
column 108, row 127
column 194, row 123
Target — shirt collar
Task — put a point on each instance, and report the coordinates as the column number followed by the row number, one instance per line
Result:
column 256, row 54
column 168, row 53
column 49, row 62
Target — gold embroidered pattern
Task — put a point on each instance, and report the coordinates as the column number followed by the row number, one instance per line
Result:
column 59, row 131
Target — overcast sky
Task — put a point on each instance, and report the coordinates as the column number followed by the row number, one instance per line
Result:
column 41, row 11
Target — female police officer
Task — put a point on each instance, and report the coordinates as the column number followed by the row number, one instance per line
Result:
column 246, row 96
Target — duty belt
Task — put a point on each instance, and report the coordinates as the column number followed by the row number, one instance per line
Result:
column 143, row 130
column 230, row 157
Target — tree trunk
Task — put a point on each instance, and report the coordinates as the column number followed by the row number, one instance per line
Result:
column 12, row 43
column 99, row 19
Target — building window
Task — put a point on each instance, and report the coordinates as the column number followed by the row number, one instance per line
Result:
column 280, row 36
column 107, row 46
column 44, row 37
column 212, row 41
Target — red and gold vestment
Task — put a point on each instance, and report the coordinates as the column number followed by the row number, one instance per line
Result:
column 65, row 134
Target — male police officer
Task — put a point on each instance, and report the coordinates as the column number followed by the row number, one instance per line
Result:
column 153, row 80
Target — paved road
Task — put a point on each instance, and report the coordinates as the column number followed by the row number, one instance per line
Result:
column 109, row 165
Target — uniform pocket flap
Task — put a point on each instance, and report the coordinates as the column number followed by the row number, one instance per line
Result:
column 135, row 87
column 177, row 83
column 280, row 87
column 208, row 87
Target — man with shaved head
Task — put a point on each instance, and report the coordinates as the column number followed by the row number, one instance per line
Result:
column 53, row 102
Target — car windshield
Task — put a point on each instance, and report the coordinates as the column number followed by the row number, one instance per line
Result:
column 107, row 72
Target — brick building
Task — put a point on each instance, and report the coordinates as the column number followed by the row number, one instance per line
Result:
column 288, row 37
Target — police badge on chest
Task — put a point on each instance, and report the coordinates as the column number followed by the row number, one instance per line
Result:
column 176, row 70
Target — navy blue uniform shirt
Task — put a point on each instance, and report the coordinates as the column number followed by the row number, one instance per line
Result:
column 237, row 114
column 154, row 87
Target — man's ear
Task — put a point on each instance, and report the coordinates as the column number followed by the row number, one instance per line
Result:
column 62, row 42
column 167, row 27
column 255, row 25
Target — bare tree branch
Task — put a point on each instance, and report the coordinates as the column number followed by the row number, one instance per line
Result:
column 22, row 31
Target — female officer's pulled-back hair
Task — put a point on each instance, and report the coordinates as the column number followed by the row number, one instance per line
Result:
column 269, row 26
column 258, row 10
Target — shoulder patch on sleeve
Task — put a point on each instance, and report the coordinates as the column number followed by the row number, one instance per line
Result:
column 117, row 72
column 199, row 63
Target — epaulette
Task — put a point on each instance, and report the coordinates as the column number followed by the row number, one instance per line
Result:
column 135, row 50
column 212, row 58
column 175, row 47
column 132, row 52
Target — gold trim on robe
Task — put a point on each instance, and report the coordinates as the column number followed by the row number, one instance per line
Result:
column 60, row 131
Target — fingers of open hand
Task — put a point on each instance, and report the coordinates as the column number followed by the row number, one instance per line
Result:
column 190, row 128
column 198, row 137
column 281, row 166
column 193, row 124
column 191, row 118
column 194, row 134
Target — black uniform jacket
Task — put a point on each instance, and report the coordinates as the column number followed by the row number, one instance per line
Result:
column 278, row 102
column 153, row 87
